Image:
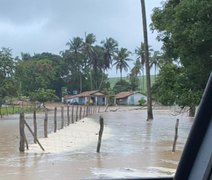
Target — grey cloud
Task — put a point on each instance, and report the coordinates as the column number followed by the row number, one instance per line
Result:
column 46, row 25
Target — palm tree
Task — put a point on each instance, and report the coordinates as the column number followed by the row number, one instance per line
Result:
column 140, row 52
column 121, row 60
column 88, row 49
column 110, row 47
column 135, row 71
column 75, row 45
column 75, row 48
column 155, row 61
column 146, row 56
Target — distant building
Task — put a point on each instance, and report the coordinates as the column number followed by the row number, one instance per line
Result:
column 129, row 98
column 88, row 97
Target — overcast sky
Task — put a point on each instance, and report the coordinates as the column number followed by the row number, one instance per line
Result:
column 36, row 26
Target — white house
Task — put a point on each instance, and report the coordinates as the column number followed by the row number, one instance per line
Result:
column 129, row 98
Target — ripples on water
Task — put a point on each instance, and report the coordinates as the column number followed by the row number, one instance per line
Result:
column 135, row 145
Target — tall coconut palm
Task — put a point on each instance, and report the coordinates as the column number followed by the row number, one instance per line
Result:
column 155, row 61
column 88, row 50
column 75, row 48
column 140, row 52
column 121, row 59
column 146, row 55
column 110, row 47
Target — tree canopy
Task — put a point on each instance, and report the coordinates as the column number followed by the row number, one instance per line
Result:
column 185, row 29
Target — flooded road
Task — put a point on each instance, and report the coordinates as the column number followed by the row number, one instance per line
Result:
column 136, row 148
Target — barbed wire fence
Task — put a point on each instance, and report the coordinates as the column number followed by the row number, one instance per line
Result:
column 59, row 123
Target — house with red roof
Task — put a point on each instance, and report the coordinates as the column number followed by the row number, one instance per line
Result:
column 94, row 97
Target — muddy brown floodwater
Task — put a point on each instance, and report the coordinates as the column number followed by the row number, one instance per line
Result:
column 136, row 148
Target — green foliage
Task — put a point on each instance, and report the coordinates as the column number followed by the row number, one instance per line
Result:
column 173, row 87
column 120, row 86
column 7, row 81
column 121, row 60
column 41, row 71
column 142, row 102
column 15, row 109
column 185, row 29
column 164, row 90
column 43, row 95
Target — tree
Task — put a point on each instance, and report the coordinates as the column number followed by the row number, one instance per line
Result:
column 185, row 29
column 133, row 76
column 43, row 95
column 110, row 48
column 75, row 48
column 88, row 50
column 155, row 61
column 120, row 86
column 172, row 86
column 39, row 72
column 121, row 59
column 146, row 56
column 7, row 67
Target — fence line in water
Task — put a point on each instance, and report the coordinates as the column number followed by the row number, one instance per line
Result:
column 77, row 112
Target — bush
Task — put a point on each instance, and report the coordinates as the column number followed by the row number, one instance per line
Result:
column 142, row 102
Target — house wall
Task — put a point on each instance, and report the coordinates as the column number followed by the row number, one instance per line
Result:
column 133, row 99
column 101, row 100
column 122, row 101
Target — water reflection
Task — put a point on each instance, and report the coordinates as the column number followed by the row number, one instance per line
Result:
column 136, row 148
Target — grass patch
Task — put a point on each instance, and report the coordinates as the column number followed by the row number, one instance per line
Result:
column 6, row 110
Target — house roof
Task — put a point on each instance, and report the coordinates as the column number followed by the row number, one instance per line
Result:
column 125, row 94
column 86, row 94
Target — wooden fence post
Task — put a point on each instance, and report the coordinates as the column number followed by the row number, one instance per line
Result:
column 68, row 115
column 35, row 125
column 77, row 113
column 84, row 111
column 46, row 124
column 22, row 134
column 33, row 134
column 72, row 115
column 55, row 119
column 80, row 115
column 101, row 122
column 176, row 135
column 106, row 107
column 62, row 117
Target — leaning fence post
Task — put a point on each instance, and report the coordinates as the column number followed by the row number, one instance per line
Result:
column 55, row 119
column 101, row 121
column 46, row 124
column 176, row 135
column 30, row 130
column 22, row 134
column 35, row 125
